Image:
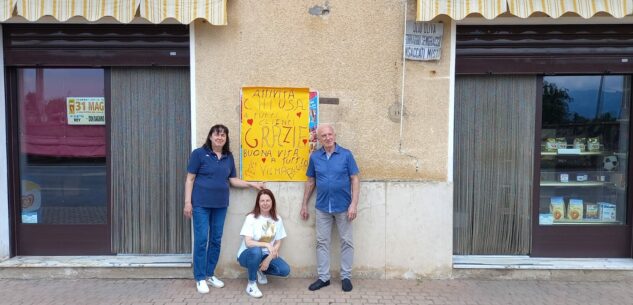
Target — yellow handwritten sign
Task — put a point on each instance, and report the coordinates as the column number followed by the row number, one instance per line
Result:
column 275, row 134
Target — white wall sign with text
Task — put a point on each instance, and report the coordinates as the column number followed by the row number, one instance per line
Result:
column 423, row 40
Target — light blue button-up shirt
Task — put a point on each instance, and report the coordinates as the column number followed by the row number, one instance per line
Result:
column 334, row 188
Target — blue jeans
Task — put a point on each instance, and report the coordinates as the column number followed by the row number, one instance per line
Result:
column 208, row 225
column 251, row 258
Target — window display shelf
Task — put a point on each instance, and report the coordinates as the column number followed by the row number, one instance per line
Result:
column 582, row 153
column 575, row 183
column 586, row 222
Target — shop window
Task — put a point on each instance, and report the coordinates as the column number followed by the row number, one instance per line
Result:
column 62, row 146
column 584, row 150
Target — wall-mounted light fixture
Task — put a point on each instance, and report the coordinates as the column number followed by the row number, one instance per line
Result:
column 319, row 10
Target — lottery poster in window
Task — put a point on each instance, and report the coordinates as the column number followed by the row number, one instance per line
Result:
column 85, row 110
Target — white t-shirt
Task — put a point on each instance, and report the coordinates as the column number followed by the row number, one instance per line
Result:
column 263, row 229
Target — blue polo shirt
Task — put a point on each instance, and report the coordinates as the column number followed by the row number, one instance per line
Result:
column 334, row 188
column 211, row 186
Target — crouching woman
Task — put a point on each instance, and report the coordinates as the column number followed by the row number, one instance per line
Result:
column 262, row 233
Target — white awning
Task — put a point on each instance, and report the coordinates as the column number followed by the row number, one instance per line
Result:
column 489, row 9
column 156, row 11
column 6, row 9
column 184, row 11
column 459, row 9
column 583, row 8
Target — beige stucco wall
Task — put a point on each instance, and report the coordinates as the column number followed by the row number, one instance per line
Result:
column 404, row 228
column 354, row 54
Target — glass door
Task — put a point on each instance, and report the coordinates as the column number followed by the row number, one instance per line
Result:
column 62, row 159
column 581, row 206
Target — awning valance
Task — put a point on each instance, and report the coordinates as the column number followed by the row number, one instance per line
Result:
column 6, row 9
column 584, row 8
column 459, row 9
column 156, row 11
column 185, row 11
column 489, row 9
column 92, row 10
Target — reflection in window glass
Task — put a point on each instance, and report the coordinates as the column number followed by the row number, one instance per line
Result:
column 62, row 146
column 584, row 149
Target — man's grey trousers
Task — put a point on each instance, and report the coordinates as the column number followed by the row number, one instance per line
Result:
column 324, row 222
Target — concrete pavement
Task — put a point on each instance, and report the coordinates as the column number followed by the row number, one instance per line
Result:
column 294, row 291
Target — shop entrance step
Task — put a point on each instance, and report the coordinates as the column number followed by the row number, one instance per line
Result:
column 115, row 266
column 530, row 268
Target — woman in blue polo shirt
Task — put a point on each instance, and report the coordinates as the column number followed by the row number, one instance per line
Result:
column 210, row 172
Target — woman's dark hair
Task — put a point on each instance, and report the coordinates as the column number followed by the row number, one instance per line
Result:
column 226, row 149
column 273, row 210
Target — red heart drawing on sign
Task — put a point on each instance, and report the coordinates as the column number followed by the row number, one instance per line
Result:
column 298, row 114
column 305, row 141
column 263, row 160
column 250, row 122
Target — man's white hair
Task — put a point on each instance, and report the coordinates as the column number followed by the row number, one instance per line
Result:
column 324, row 125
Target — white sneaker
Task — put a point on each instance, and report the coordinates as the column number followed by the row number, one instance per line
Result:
column 202, row 286
column 215, row 282
column 253, row 291
column 261, row 278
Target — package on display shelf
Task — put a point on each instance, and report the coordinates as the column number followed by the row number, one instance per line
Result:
column 561, row 143
column 580, row 177
column 575, row 209
column 551, row 145
column 557, row 208
column 580, row 143
column 607, row 211
column 593, row 144
column 563, row 177
column 545, row 219
column 591, row 211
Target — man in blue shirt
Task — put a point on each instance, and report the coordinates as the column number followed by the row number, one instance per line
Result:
column 334, row 172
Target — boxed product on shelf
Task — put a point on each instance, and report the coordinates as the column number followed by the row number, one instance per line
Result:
column 593, row 144
column 557, row 208
column 575, row 209
column 591, row 211
column 607, row 211
column 563, row 177
column 545, row 219
column 582, row 177
column 580, row 143
column 551, row 145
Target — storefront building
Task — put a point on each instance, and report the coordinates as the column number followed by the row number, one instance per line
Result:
column 542, row 111
column 97, row 119
column 514, row 142
column 159, row 97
